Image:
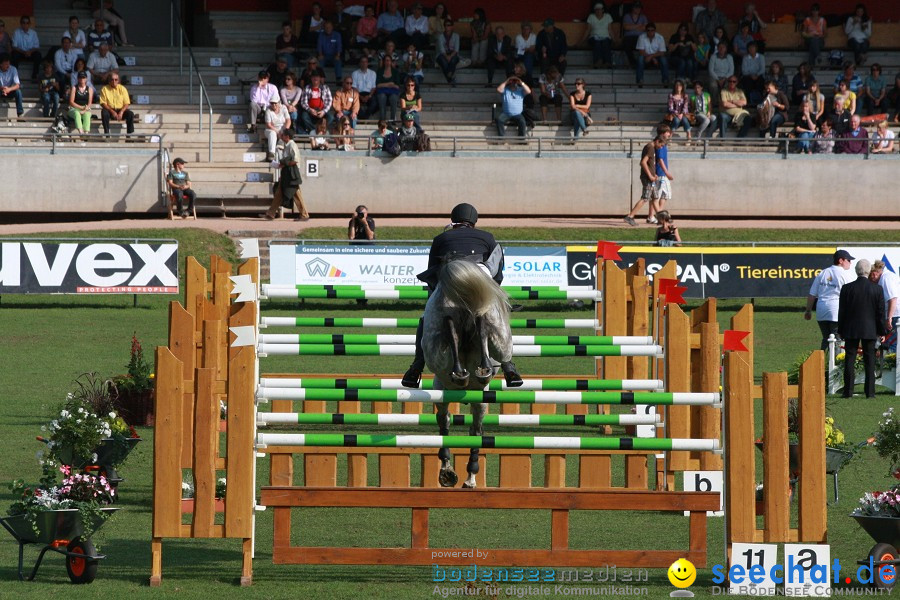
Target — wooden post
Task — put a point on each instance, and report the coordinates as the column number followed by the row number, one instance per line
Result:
column 206, row 432
column 742, row 320
column 183, row 347
column 281, row 473
column 167, row 443
column 678, row 379
column 710, row 418
column 813, row 523
column 740, row 469
column 239, row 439
column 776, row 476
column 195, row 282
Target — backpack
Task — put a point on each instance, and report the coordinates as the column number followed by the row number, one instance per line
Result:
column 391, row 144
column 423, row 142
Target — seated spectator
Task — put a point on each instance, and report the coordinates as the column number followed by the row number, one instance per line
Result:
column 773, row 111
column 448, row 52
column 679, row 108
column 751, row 18
column 412, row 63
column 409, row 133
column 261, row 94
column 551, row 47
column 526, row 45
column 345, row 102
column 436, row 23
column 390, row 49
column 81, row 97
column 364, row 81
column 416, row 27
column 634, row 24
column 528, row 112
column 102, row 63
column 179, row 183
column 824, row 140
column 390, row 25
column 344, row 132
column 313, row 25
column 109, row 14
column 26, row 46
column 813, row 31
column 287, row 191
column 479, row 30
column 500, row 54
column 702, row 52
column 719, row 37
column 367, row 32
column 318, row 140
column 708, row 19
column 278, row 72
column 387, row 88
column 316, row 104
column 74, row 33
column 721, row 67
column 667, row 234
column 840, row 117
column 800, row 83
column 847, row 97
column 893, row 98
column 553, row 88
column 805, row 127
column 701, row 108
column 651, row 50
column 378, row 135
column 854, row 81
column 10, row 86
column 681, row 52
column 312, row 68
column 114, row 103
column 753, row 73
column 816, row 101
column 330, row 49
column 411, row 100
column 875, row 92
column 883, row 139
column 741, row 43
column 5, row 40
column 277, row 120
column 859, row 29
column 361, row 227
column 81, row 67
column 514, row 92
column 776, row 73
column 598, row 36
column 733, row 105
column 48, row 85
column 580, row 104
column 99, row 34
column 291, row 96
column 64, row 61
column 286, row 44
column 855, row 140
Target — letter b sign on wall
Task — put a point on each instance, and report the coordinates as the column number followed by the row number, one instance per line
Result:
column 705, row 481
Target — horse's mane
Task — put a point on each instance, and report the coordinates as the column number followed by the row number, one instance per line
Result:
column 465, row 284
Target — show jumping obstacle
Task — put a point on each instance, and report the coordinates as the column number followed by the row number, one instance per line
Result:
column 199, row 368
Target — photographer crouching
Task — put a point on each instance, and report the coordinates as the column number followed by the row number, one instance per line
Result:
column 361, row 229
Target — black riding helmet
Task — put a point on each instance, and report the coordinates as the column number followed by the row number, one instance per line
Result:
column 464, row 213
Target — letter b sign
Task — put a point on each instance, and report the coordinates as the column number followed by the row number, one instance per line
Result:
column 312, row 168
column 705, row 481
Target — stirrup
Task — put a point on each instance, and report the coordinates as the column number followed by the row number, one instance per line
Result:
column 412, row 378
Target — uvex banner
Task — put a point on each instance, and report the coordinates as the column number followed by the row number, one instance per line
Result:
column 88, row 268
column 723, row 272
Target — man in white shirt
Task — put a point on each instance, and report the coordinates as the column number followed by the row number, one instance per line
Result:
column 825, row 294
column 63, row 62
column 890, row 285
column 26, row 46
column 74, row 33
column 364, row 82
column 651, row 50
column 416, row 27
column 101, row 63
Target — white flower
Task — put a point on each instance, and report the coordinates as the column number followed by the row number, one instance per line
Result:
column 64, row 414
column 112, row 415
column 43, row 428
column 94, row 457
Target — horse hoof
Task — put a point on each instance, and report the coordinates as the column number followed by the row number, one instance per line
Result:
column 466, row 486
column 460, row 379
column 448, row 478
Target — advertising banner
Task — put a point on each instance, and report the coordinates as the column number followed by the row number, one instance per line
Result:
column 100, row 267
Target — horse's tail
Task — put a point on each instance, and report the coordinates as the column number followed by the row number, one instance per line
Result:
column 467, row 285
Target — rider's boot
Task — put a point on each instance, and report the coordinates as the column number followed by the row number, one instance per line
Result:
column 511, row 374
column 413, row 376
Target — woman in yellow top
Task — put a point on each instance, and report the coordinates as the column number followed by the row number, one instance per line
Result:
column 848, row 98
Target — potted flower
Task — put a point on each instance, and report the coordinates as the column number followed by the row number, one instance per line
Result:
column 187, row 496
column 134, row 390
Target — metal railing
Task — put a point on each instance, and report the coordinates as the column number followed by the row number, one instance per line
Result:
column 183, row 41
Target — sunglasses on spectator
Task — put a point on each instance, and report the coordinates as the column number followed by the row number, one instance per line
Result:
column 579, row 83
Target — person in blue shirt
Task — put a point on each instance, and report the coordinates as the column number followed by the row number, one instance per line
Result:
column 330, row 49
column 514, row 91
column 26, row 46
column 390, row 25
column 663, row 177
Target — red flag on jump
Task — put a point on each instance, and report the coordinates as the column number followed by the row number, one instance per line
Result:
column 665, row 284
column 733, row 340
column 608, row 251
column 673, row 295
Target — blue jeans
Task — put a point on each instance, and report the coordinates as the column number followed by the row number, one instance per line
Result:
column 814, row 46
column 504, row 117
column 859, row 48
column 20, row 110
column 681, row 122
column 685, row 68
column 347, row 113
column 50, row 103
column 579, row 123
column 309, row 122
column 448, row 66
column 777, row 120
column 384, row 100
column 642, row 62
column 804, row 144
column 725, row 120
column 602, row 50
column 334, row 61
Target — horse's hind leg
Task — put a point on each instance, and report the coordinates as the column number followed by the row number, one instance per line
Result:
column 485, row 370
column 478, row 412
column 447, row 476
column 459, row 375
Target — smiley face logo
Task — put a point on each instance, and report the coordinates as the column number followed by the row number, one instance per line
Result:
column 682, row 573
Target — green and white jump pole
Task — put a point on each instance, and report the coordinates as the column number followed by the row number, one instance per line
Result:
column 269, row 291
column 394, row 339
column 279, row 418
column 269, row 349
column 414, row 322
column 495, row 384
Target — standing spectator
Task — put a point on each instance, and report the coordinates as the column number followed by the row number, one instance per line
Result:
column 860, row 322
column 667, row 234
column 663, row 177
column 753, row 72
column 330, row 49
column 890, row 286
column 102, row 63
column 26, row 46
column 776, row 73
column 633, row 26
column 361, row 228
column 49, row 86
column 390, row 25
column 499, row 54
column 733, row 104
column 5, row 40
column 875, row 91
column 448, row 52
column 514, row 91
column 751, row 18
column 287, row 191
column 179, row 183
column 436, row 23
column 278, row 72
column 346, row 102
column 114, row 103
column 367, row 31
column 410, row 100
column 825, row 293
column 824, row 140
column 742, row 41
column 388, row 81
column 648, row 175
column 709, row 18
column 81, row 97
column 701, row 108
column 526, row 44
column 364, row 81
column 291, row 95
column 774, row 109
column 883, row 139
column 99, row 34
column 316, row 104
column 261, row 94
column 580, row 103
column 805, row 127
column 816, row 101
column 109, row 15
column 312, row 68
column 416, row 27
column 721, row 67
column 551, row 47
column 859, row 29
column 801, row 82
column 412, row 63
column 286, row 44
column 480, row 29
column 277, row 120
column 313, row 25
column 681, row 52
column 597, row 34
column 678, row 108
column 651, row 50
column 813, row 31
column 553, row 88
column 702, row 52
column 74, row 33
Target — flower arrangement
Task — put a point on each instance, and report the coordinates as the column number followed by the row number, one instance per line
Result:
column 139, row 378
column 879, row 504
